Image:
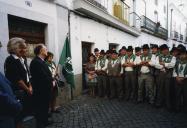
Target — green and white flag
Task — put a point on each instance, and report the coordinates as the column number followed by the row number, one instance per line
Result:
column 65, row 62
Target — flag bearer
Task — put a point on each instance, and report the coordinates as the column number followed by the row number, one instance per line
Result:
column 101, row 67
column 114, row 69
column 145, row 79
column 165, row 63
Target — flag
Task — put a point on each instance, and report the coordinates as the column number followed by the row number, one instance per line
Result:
column 65, row 62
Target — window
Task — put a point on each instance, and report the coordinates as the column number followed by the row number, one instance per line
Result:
column 113, row 46
column 156, row 2
column 164, row 9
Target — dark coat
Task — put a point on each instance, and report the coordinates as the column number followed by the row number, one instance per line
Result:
column 15, row 71
column 9, row 107
column 41, row 77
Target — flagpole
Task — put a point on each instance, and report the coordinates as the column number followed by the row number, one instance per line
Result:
column 69, row 32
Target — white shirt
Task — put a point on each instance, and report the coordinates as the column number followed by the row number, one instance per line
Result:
column 123, row 61
column 145, row 69
column 166, row 66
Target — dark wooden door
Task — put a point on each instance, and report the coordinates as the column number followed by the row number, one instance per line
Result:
column 86, row 51
column 31, row 31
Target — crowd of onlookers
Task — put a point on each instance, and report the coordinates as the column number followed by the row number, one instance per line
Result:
column 142, row 74
column 27, row 90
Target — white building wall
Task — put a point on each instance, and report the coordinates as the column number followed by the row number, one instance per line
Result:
column 87, row 30
column 34, row 12
column 178, row 23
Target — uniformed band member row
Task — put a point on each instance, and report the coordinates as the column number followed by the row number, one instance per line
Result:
column 154, row 74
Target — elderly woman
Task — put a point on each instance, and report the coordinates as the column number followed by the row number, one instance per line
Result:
column 52, row 67
column 16, row 71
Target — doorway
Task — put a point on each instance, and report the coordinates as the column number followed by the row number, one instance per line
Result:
column 86, row 51
column 32, row 32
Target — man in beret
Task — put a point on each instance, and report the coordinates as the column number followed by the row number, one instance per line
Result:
column 113, row 70
column 165, row 63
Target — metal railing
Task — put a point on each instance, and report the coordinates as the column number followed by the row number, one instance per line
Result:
column 120, row 10
column 181, row 37
column 135, row 20
column 100, row 4
column 175, row 35
column 153, row 28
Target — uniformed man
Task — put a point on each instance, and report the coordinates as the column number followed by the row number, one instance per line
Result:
column 108, row 57
column 123, row 52
column 174, row 52
column 155, row 53
column 128, row 65
column 113, row 70
column 101, row 67
column 180, row 74
column 137, row 69
column 145, row 79
column 165, row 63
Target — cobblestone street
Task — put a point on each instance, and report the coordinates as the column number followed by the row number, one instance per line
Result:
column 86, row 112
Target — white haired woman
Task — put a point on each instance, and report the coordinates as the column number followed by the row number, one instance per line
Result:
column 16, row 71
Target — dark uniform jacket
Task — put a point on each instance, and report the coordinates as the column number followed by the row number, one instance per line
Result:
column 41, row 77
column 15, row 71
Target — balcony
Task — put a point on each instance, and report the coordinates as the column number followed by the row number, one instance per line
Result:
column 175, row 35
column 153, row 28
column 119, row 19
column 97, row 4
column 181, row 39
column 135, row 20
